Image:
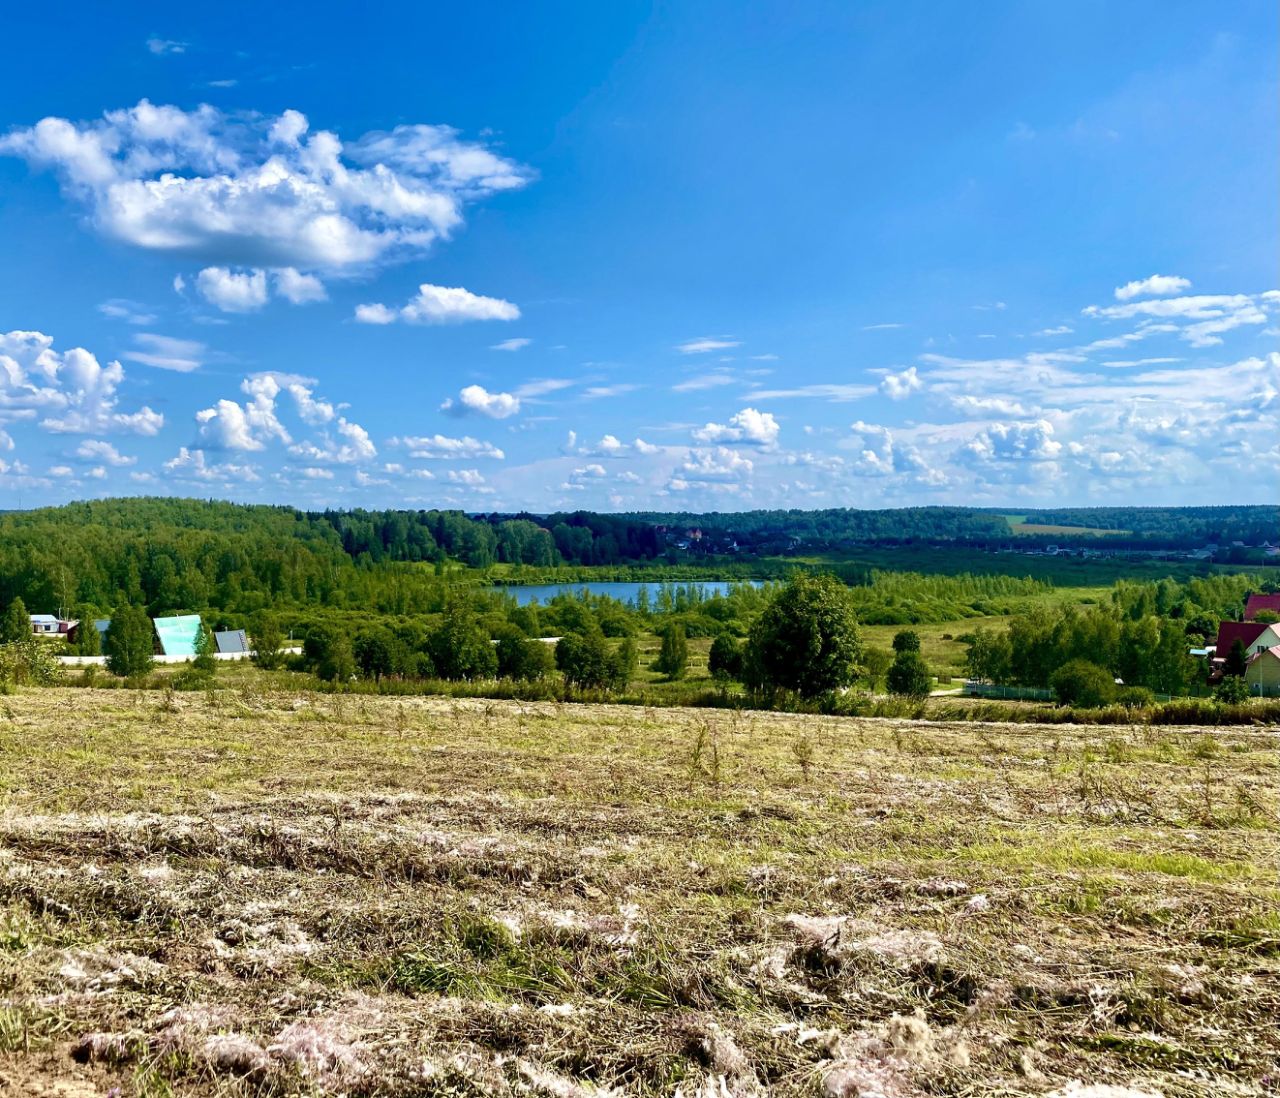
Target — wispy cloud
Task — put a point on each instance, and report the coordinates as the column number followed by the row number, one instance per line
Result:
column 705, row 345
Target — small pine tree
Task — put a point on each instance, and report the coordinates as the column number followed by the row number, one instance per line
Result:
column 1232, row 690
column 673, row 656
column 16, row 624
column 204, row 661
column 906, row 641
column 1237, row 660
column 130, row 643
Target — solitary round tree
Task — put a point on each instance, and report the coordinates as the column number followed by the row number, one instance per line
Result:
column 130, row 642
column 909, row 675
column 806, row 640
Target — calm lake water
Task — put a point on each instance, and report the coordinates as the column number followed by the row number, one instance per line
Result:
column 625, row 592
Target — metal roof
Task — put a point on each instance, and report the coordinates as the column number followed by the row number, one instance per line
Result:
column 43, row 619
column 232, row 641
column 178, row 634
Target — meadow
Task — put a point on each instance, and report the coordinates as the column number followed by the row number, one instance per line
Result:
column 250, row 891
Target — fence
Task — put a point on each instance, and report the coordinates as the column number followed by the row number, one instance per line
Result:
column 1023, row 693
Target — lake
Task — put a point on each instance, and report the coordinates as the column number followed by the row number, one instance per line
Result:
column 525, row 593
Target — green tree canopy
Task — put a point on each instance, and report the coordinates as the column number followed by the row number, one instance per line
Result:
column 806, row 640
column 909, row 675
column 1084, row 684
column 16, row 623
column 130, row 642
column 673, row 656
column 725, row 660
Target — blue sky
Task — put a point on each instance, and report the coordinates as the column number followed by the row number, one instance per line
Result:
column 642, row 256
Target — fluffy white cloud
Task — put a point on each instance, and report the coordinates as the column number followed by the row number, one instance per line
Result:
column 233, row 291
column 610, row 446
column 1032, row 441
column 719, row 463
column 478, row 399
column 749, row 425
column 442, row 447
column 260, row 190
column 440, row 305
column 902, row 385
column 93, row 449
column 1155, row 286
column 298, row 288
column 73, row 391
column 166, row 352
column 703, row 346
column 253, row 425
column 192, row 465
column 375, row 314
column 249, row 426
column 470, row 477
column 351, row 446
column 989, row 406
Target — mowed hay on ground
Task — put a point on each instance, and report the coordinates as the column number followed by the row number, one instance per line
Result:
column 241, row 893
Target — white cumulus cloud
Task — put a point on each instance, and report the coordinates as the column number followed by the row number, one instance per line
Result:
column 477, row 399
column 749, row 425
column 440, row 305
column 261, row 190
column 1155, row 286
column 902, row 385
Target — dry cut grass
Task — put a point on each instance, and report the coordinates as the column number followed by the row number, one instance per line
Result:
column 252, row 893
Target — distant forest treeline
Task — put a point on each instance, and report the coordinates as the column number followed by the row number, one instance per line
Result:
column 171, row 553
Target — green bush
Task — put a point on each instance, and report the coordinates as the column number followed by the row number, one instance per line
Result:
column 1135, row 697
column 1083, row 684
column 1232, row 690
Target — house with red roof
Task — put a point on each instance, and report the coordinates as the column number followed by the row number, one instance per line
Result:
column 1259, row 603
column 1256, row 636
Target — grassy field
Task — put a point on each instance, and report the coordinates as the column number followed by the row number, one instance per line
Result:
column 249, row 892
column 1020, row 526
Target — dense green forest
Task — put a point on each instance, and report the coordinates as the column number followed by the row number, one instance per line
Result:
column 177, row 554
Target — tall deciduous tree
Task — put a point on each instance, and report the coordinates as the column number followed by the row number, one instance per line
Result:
column 806, row 640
